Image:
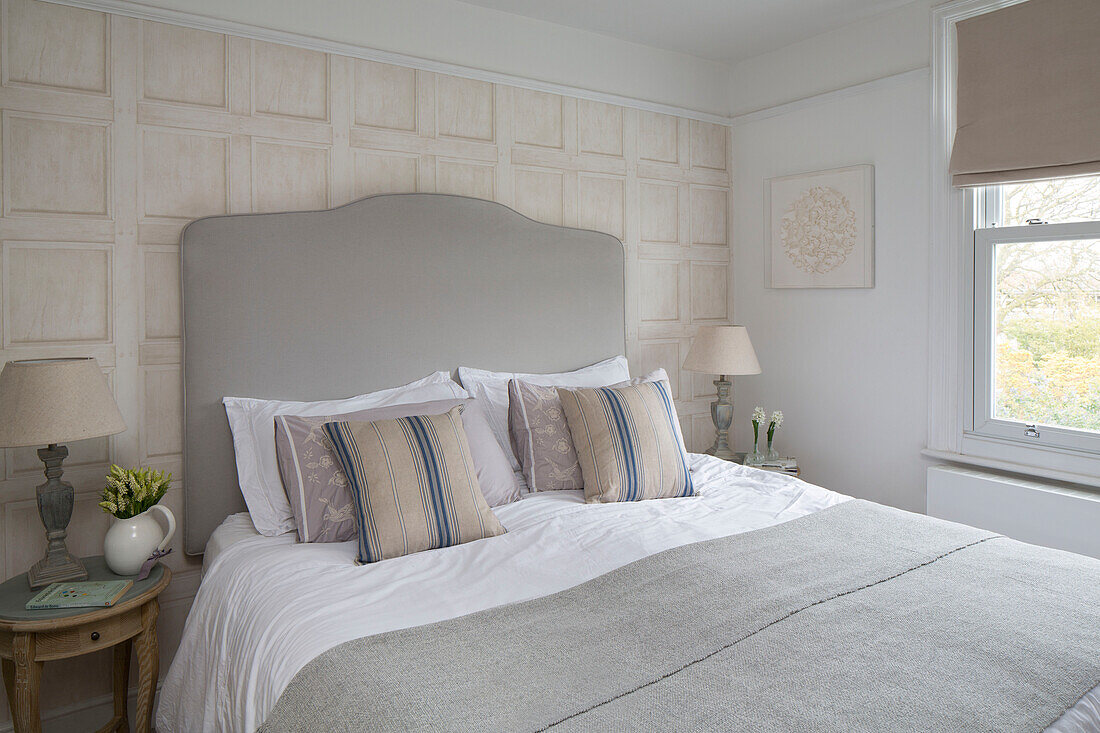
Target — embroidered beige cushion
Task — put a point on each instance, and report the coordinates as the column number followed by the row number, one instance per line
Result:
column 413, row 484
column 628, row 442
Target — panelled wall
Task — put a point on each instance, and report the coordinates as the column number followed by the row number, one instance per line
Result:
column 116, row 132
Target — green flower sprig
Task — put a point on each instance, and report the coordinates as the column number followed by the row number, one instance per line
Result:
column 130, row 491
column 758, row 418
column 777, row 420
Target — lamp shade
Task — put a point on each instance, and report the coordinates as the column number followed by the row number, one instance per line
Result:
column 44, row 401
column 722, row 350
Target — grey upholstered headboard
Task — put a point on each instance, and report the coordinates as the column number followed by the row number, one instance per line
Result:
column 382, row 291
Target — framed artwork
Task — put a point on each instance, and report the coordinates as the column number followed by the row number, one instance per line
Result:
column 819, row 229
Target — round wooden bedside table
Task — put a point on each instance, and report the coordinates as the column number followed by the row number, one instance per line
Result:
column 29, row 638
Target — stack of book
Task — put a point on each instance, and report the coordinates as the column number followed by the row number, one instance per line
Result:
column 782, row 465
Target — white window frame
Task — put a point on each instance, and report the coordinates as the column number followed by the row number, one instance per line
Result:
column 954, row 215
column 980, row 421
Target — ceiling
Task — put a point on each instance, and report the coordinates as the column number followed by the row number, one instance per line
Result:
column 720, row 30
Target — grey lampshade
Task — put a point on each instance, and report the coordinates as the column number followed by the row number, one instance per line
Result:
column 44, row 401
column 722, row 350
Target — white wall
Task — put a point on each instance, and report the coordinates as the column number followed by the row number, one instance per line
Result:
column 481, row 38
column 847, row 367
column 883, row 45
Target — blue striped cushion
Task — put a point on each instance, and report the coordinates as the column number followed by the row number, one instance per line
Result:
column 413, row 484
column 628, row 442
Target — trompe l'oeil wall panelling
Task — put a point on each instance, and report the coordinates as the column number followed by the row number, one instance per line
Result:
column 116, row 132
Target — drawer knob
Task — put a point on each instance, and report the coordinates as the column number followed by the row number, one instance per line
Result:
column 95, row 636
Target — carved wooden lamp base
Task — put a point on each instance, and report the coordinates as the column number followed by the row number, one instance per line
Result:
column 55, row 506
column 56, row 567
column 721, row 411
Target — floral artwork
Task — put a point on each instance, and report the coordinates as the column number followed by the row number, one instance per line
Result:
column 820, row 229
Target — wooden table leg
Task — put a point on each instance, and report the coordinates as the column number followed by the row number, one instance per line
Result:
column 148, row 658
column 22, row 676
column 9, row 684
column 121, row 719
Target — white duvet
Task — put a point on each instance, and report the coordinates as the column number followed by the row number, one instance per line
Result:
column 268, row 605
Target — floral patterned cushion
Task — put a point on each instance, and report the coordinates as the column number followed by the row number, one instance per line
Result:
column 540, row 438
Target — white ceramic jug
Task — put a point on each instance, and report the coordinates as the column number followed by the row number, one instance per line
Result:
column 130, row 542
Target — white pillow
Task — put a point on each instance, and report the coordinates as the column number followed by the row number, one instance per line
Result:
column 491, row 389
column 494, row 475
column 252, row 422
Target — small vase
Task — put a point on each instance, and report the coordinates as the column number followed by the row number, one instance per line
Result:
column 754, row 457
column 130, row 542
column 772, row 454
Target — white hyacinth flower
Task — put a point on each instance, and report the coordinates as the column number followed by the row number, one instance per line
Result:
column 777, row 418
column 758, row 415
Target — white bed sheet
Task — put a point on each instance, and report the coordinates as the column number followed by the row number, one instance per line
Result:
column 268, row 605
column 233, row 529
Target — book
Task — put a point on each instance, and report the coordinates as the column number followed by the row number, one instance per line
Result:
column 87, row 594
column 786, row 465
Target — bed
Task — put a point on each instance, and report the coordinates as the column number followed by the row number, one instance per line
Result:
column 762, row 602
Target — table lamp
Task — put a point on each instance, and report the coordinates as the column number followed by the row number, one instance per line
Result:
column 725, row 351
column 47, row 402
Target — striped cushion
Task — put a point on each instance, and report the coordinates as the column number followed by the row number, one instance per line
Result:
column 413, row 484
column 628, row 442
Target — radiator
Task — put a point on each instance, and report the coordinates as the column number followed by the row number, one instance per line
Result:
column 1052, row 515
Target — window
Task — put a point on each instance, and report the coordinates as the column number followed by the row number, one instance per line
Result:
column 1054, row 201
column 1013, row 367
column 1036, row 314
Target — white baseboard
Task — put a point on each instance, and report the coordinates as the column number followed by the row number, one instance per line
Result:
column 88, row 714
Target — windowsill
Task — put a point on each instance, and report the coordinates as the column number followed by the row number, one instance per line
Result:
column 997, row 464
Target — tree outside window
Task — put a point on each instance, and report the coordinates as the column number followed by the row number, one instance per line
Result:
column 1047, row 310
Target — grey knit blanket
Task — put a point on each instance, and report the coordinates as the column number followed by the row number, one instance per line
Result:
column 857, row 618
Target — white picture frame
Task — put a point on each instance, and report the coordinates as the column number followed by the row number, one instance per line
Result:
column 819, row 229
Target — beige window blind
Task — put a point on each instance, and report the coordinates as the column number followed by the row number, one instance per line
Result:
column 1028, row 104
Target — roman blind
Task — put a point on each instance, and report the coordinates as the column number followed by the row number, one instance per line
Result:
column 1028, row 104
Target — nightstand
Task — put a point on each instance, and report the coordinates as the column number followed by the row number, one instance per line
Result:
column 29, row 638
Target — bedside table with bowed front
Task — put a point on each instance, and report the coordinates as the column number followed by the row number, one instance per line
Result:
column 29, row 638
